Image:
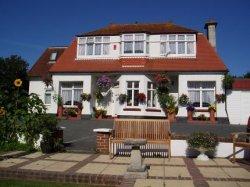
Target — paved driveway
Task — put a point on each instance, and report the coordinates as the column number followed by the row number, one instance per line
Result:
column 80, row 136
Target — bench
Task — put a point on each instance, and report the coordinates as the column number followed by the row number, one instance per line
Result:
column 154, row 131
column 240, row 139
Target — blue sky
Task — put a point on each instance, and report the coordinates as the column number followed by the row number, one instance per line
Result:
column 27, row 27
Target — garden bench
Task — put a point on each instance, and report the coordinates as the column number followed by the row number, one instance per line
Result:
column 239, row 141
column 154, row 131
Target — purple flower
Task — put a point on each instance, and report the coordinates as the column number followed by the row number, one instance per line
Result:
column 104, row 82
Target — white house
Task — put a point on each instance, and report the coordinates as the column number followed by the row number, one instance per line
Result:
column 131, row 54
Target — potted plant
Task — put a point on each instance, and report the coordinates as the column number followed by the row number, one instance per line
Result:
column 99, row 113
column 141, row 97
column 171, row 108
column 212, row 110
column 71, row 113
column 203, row 142
column 103, row 84
column 122, row 98
column 190, row 111
column 59, row 100
column 79, row 110
column 183, row 100
column 162, row 82
column 85, row 97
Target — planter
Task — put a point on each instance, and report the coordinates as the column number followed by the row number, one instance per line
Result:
column 60, row 111
column 99, row 117
column 171, row 117
column 212, row 116
column 47, row 147
column 79, row 114
column 190, row 115
column 202, row 156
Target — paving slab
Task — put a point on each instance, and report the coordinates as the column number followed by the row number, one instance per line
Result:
column 59, row 166
column 33, row 155
column 174, row 161
column 210, row 162
column 179, row 183
column 103, row 158
column 148, row 182
column 213, row 172
column 11, row 162
column 156, row 171
column 115, row 169
column 243, row 184
column 153, row 161
column 38, row 165
column 222, row 183
column 122, row 160
column 171, row 171
column 224, row 162
column 59, row 156
column 77, row 157
column 93, row 168
column 237, row 173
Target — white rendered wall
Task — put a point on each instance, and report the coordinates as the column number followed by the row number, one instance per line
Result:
column 238, row 106
column 223, row 150
column 183, row 89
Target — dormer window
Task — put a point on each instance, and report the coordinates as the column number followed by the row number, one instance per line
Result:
column 53, row 56
column 134, row 44
column 93, row 46
column 178, row 44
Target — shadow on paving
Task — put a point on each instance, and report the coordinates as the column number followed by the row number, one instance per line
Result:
column 79, row 135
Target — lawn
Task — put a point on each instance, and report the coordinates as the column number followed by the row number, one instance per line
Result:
column 22, row 183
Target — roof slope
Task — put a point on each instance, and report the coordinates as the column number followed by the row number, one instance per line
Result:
column 207, row 60
column 153, row 28
column 42, row 65
column 241, row 84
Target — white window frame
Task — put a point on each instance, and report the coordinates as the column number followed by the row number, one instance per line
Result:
column 54, row 55
column 84, row 43
column 72, row 89
column 133, row 92
column 152, row 91
column 167, row 40
column 50, row 93
column 145, row 41
column 200, row 89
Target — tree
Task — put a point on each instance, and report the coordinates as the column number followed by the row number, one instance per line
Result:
column 247, row 75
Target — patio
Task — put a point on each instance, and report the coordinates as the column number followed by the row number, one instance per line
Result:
column 99, row 169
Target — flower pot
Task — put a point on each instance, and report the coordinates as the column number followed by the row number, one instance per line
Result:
column 212, row 116
column 190, row 115
column 60, row 111
column 100, row 116
column 79, row 114
column 202, row 156
column 47, row 147
column 171, row 117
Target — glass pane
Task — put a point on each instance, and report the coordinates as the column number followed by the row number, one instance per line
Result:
column 139, row 37
column 67, row 96
column 139, row 47
column 106, row 39
column 129, row 97
column 181, row 37
column 81, row 49
column 128, row 37
column 163, row 48
column 129, row 84
column 194, row 97
column 194, row 84
column 106, row 49
column 89, row 49
column 98, row 39
column 149, row 101
column 190, row 47
column 208, row 98
column 190, row 37
column 163, row 37
column 136, row 84
column 154, row 98
column 172, row 47
column 172, row 37
column 150, row 85
column 77, row 95
column 66, row 84
column 77, row 84
column 53, row 56
column 207, row 84
column 98, row 49
column 128, row 47
column 136, row 102
column 147, row 47
column 47, row 99
column 90, row 39
column 81, row 40
column 181, row 47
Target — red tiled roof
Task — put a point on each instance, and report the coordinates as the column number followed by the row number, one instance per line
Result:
column 42, row 65
column 153, row 28
column 207, row 60
column 241, row 84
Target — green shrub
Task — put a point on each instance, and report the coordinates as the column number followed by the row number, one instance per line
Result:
column 203, row 140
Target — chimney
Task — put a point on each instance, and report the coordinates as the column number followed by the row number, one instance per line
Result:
column 210, row 26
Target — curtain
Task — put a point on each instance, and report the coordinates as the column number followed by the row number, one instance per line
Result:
column 128, row 37
column 77, row 94
column 139, row 37
column 98, row 49
column 89, row 49
column 106, row 39
column 181, row 47
column 67, row 96
column 47, row 99
column 128, row 47
column 81, row 49
column 163, row 48
column 172, row 47
column 139, row 46
column 194, row 96
column 105, row 49
column 190, row 47
column 208, row 97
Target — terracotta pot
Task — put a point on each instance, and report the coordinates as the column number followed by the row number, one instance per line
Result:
column 59, row 111
column 190, row 115
column 171, row 117
column 212, row 116
column 100, row 116
column 79, row 114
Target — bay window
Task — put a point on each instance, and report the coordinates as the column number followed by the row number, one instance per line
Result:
column 178, row 44
column 71, row 92
column 135, row 43
column 88, row 46
column 201, row 93
column 151, row 95
column 132, row 91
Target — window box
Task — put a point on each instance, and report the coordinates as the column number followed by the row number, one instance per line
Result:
column 152, row 110
column 131, row 109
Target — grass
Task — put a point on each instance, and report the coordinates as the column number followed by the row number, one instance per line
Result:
column 22, row 183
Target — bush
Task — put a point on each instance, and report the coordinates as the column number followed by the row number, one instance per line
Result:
column 122, row 98
column 204, row 140
column 227, row 82
column 85, row 97
column 183, row 100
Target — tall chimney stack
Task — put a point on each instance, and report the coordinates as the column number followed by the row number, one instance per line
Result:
column 210, row 26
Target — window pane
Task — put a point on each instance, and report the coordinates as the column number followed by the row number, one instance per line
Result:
column 81, row 40
column 171, row 37
column 172, row 47
column 89, row 49
column 149, row 101
column 136, row 102
column 67, row 84
column 194, row 97
column 128, row 47
column 77, row 95
column 81, row 49
column 106, row 49
column 194, row 84
column 90, row 39
column 106, row 39
column 98, row 39
column 98, row 49
column 129, row 97
column 150, row 85
column 190, row 47
column 163, row 37
column 128, row 37
column 136, row 84
column 181, row 37
column 208, row 84
column 139, row 46
column 208, row 98
column 139, row 37
column 53, row 56
column 190, row 37
column 129, row 84
column 67, row 97
column 163, row 48
column 78, row 84
column 147, row 47
column 47, row 98
column 181, row 47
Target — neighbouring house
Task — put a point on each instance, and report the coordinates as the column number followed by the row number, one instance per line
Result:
column 131, row 55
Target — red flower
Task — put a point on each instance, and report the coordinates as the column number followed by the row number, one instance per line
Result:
column 141, row 97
